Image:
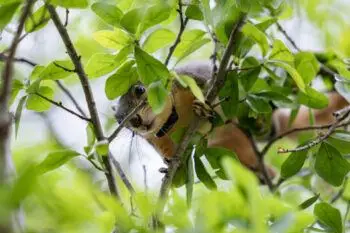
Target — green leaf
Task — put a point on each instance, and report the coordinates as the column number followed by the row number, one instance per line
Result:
column 55, row 159
column 292, row 165
column 54, row 72
column 307, row 203
column 271, row 95
column 246, row 43
column 155, row 15
column 341, row 67
column 196, row 90
column 258, row 104
column 104, row 63
column 214, row 155
column 18, row 113
column 330, row 165
column 70, row 3
column 36, row 72
column 313, row 98
column 329, row 216
column 292, row 72
column 6, row 12
column 188, row 39
column 108, row 13
column 131, row 20
column 258, row 36
column 150, row 69
column 116, row 39
column 38, row 20
column 102, row 148
column 307, row 66
column 230, row 91
column 90, row 134
column 38, row 104
column 203, row 175
column 120, row 82
column 157, row 96
column 158, row 39
column 250, row 73
column 280, row 52
column 194, row 12
column 195, row 46
column 17, row 86
column 341, row 141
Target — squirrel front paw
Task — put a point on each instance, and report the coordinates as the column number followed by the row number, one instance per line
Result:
column 203, row 110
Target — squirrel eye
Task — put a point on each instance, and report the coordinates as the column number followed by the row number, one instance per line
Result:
column 139, row 90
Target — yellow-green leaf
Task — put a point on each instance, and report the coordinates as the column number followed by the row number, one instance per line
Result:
column 116, row 39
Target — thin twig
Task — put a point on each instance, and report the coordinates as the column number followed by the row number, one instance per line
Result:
column 122, row 175
column 87, row 92
column 322, row 137
column 294, row 130
column 339, row 194
column 67, row 18
column 145, row 177
column 211, row 94
column 60, row 105
column 183, row 23
column 65, row 90
column 71, row 97
column 3, row 57
column 262, row 168
column 280, row 28
column 14, row 221
column 125, row 120
column 323, row 67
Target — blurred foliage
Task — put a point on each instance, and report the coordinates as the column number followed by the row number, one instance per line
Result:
column 126, row 42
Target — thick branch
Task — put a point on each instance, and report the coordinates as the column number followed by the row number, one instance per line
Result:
column 87, row 92
column 213, row 91
column 6, row 166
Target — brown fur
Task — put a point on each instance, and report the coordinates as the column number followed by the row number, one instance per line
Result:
column 228, row 136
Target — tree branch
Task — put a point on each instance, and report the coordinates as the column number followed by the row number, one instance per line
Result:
column 6, row 164
column 291, row 131
column 125, row 120
column 65, row 90
column 323, row 67
column 60, row 105
column 183, row 23
column 211, row 94
column 87, row 92
column 71, row 97
column 339, row 118
column 122, row 175
column 3, row 57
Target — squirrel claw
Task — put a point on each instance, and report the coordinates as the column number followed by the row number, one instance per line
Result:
column 203, row 110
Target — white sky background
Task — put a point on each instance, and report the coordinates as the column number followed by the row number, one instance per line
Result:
column 45, row 46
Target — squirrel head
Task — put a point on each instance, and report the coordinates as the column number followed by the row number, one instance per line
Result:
column 145, row 121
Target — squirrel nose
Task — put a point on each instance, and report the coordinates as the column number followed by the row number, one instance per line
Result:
column 136, row 121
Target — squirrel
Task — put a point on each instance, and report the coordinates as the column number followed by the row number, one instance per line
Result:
column 181, row 106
